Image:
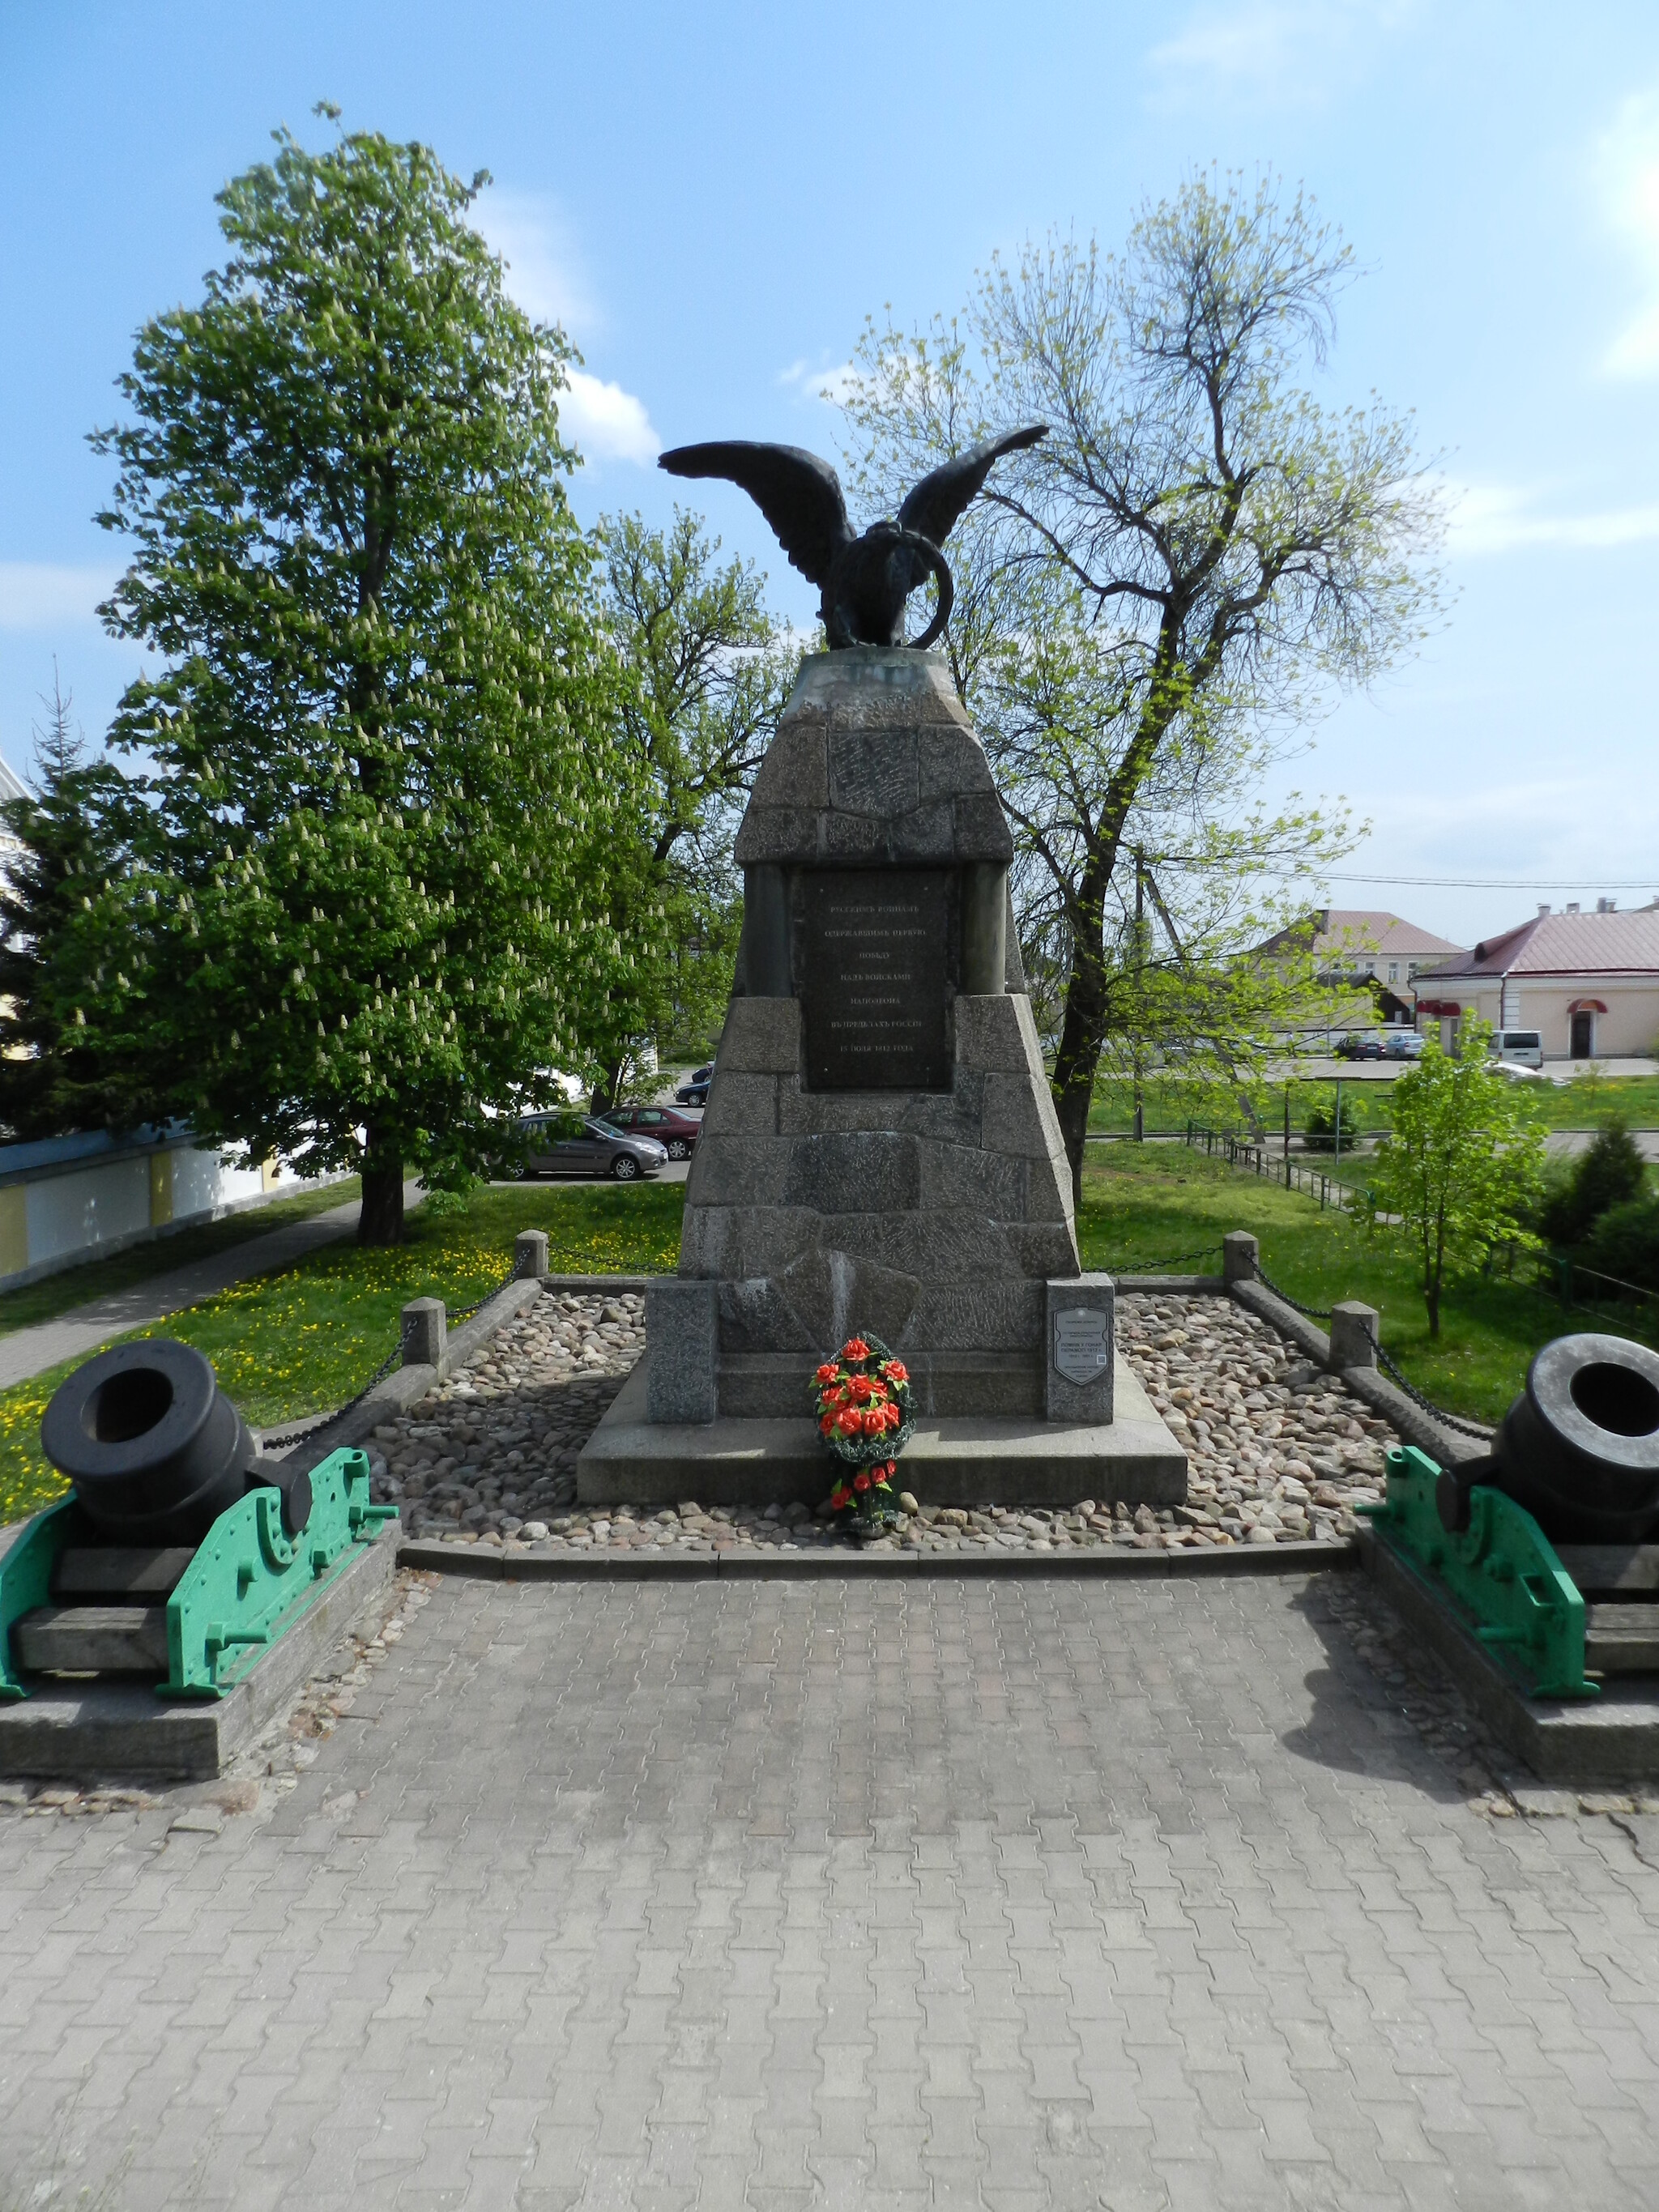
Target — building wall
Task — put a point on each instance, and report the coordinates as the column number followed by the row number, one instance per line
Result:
column 51, row 1217
column 1628, row 1029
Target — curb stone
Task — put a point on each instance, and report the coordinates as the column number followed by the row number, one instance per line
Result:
column 486, row 1562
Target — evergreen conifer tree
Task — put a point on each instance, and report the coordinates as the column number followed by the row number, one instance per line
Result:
column 67, row 851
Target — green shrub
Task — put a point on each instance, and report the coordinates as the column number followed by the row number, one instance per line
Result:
column 1625, row 1243
column 1611, row 1173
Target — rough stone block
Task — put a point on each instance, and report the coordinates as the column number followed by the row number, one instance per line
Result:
column 1046, row 1249
column 738, row 1169
column 979, row 829
column 1080, row 1322
column 1016, row 1120
column 872, row 771
column 777, row 833
column 990, row 1034
column 756, row 1316
column 762, row 1037
column 954, row 1245
column 950, row 763
column 730, row 1242
column 961, row 1174
column 741, row 1105
column 682, row 1350
column 863, row 1171
column 1005, row 1317
column 795, row 772
column 924, row 833
column 424, row 1328
column 832, row 1291
column 1353, row 1334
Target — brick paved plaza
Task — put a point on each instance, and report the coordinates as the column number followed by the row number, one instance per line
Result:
column 1016, row 1894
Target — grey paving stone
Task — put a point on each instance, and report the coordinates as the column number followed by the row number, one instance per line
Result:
column 1035, row 1893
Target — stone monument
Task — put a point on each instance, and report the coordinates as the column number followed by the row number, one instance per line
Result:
column 880, row 1149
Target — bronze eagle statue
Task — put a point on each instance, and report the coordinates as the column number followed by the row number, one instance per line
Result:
column 863, row 581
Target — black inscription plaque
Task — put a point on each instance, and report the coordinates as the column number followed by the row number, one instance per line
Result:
column 873, row 969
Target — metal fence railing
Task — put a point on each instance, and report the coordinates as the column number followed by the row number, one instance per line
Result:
column 1272, row 1167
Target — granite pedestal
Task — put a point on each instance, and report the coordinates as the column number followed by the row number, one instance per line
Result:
column 880, row 1151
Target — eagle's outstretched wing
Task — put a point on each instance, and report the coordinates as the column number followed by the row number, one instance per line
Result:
column 939, row 501
column 800, row 494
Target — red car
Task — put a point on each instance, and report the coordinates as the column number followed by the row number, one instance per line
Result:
column 677, row 1132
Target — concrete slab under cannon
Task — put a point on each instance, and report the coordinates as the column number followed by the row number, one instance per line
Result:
column 85, row 1731
column 968, row 1460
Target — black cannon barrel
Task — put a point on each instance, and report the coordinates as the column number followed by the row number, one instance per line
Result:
column 1579, row 1448
column 156, row 1450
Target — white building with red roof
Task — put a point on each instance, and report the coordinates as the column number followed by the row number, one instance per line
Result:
column 1589, row 983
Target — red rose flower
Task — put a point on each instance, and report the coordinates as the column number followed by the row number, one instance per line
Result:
column 826, row 1373
column 860, row 1482
column 849, row 1421
column 859, row 1389
column 896, row 1370
column 827, row 1425
column 855, row 1348
column 875, row 1421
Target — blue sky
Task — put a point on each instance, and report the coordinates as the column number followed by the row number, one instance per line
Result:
column 712, row 200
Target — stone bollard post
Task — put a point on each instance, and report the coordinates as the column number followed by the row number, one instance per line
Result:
column 1240, row 1257
column 529, row 1253
column 425, row 1328
column 1353, row 1334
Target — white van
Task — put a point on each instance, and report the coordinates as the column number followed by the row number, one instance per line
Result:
column 1524, row 1047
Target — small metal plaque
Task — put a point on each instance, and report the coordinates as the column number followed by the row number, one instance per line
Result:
column 1083, row 1344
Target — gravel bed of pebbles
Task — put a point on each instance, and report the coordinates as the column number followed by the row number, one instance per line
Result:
column 1278, row 1450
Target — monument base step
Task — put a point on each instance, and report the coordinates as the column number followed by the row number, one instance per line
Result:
column 964, row 1460
column 764, row 1385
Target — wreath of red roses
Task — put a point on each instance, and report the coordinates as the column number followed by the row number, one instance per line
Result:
column 862, row 1399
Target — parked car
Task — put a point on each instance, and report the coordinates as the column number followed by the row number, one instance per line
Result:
column 1525, row 1048
column 696, row 1093
column 565, row 1144
column 677, row 1132
column 1405, row 1044
column 1356, row 1046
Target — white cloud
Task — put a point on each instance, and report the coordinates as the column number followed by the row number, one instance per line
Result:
column 544, row 268
column 1291, row 48
column 832, row 386
column 544, row 276
column 1501, row 518
column 1628, row 162
column 607, row 423
column 45, row 595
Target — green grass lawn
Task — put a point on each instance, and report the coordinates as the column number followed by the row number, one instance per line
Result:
column 305, row 1339
column 1141, row 1203
column 97, row 1278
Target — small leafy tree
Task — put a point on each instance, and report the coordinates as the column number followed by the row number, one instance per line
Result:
column 1234, row 550
column 51, row 1080
column 380, row 803
column 707, row 672
column 1461, row 1171
column 1188, row 904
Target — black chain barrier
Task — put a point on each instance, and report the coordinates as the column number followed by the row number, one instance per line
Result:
column 1391, row 1368
column 1313, row 1313
column 1162, row 1267
column 294, row 1432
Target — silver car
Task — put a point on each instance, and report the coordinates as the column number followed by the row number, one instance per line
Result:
column 571, row 1144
